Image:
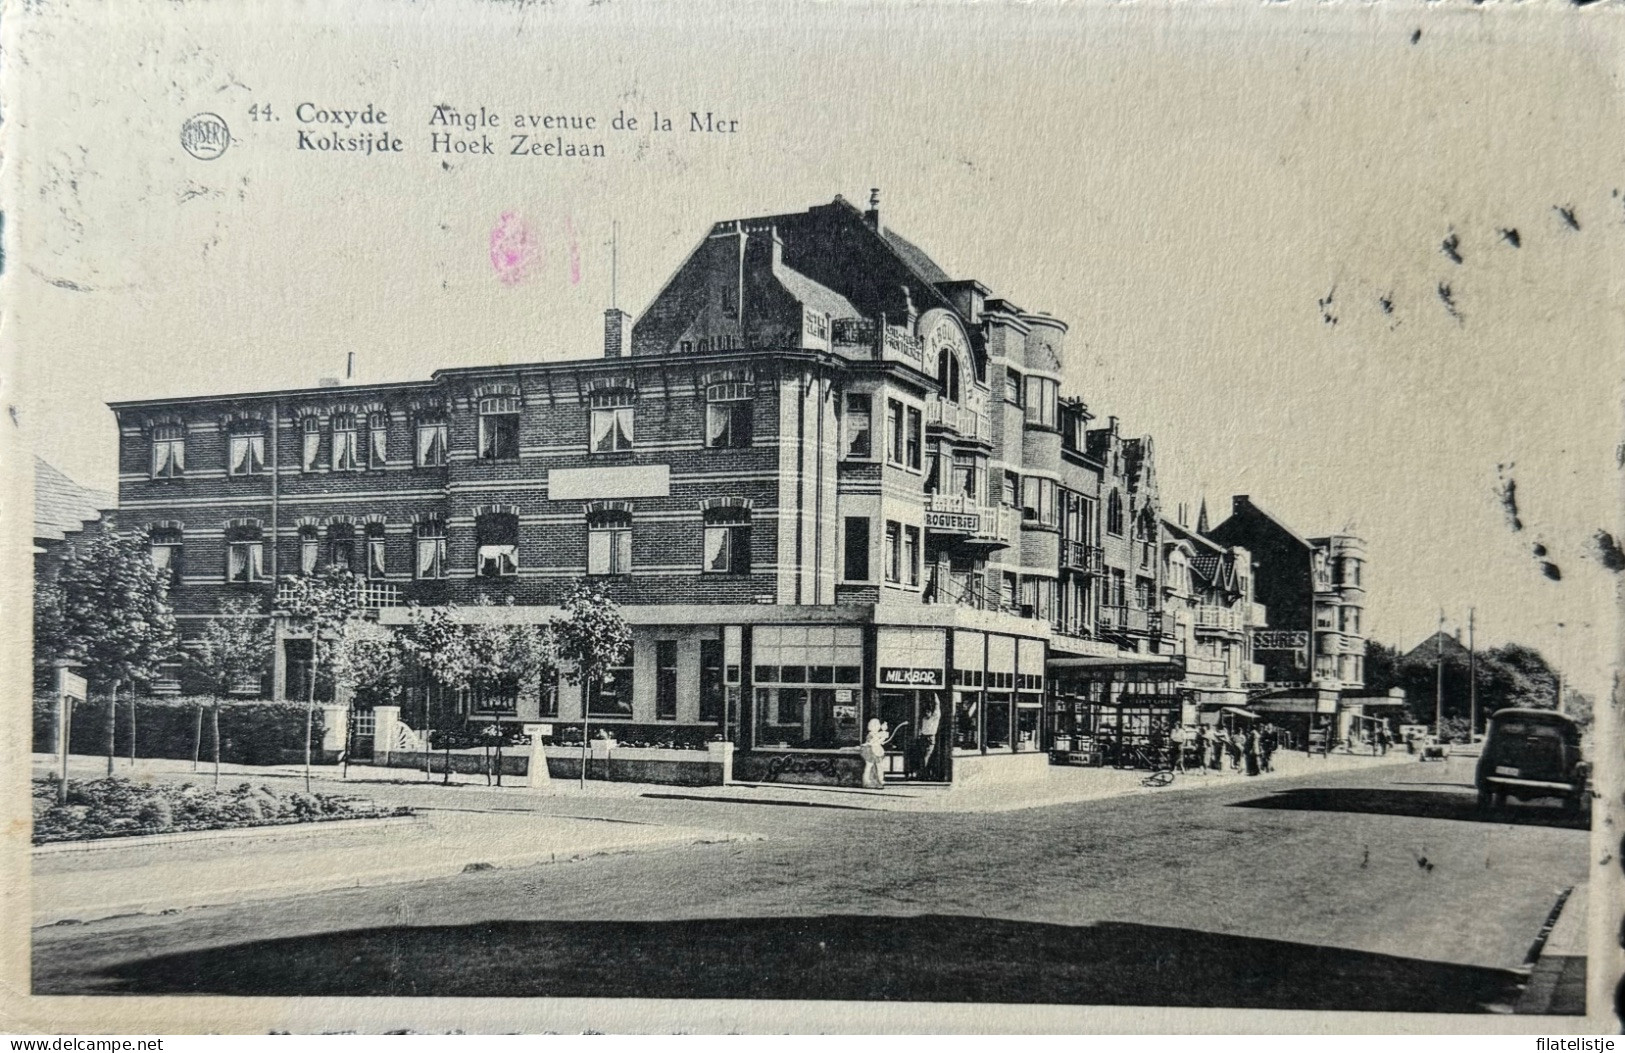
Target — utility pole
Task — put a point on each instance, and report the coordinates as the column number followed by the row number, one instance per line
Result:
column 1438, row 682
column 1560, row 708
column 1472, row 680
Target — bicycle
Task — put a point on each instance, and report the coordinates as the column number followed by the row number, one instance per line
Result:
column 1159, row 777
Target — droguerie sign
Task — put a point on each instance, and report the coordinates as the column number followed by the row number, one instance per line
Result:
column 892, row 676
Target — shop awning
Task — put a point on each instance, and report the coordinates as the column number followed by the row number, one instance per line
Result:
column 1125, row 667
column 1235, row 712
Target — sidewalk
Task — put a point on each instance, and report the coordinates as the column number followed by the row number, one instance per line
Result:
column 1557, row 983
column 81, row 882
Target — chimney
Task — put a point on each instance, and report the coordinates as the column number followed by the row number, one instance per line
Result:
column 873, row 215
column 349, row 368
column 614, row 333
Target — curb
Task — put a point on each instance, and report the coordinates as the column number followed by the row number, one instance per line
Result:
column 262, row 832
column 157, row 904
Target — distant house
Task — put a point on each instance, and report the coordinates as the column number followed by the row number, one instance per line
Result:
column 63, row 511
column 1431, row 648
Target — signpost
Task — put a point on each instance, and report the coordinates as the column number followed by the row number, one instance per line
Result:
column 70, row 687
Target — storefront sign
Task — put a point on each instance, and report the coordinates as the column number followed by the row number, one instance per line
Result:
column 891, row 676
column 957, row 522
column 1279, row 640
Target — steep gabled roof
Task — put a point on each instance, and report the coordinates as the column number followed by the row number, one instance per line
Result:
column 62, row 506
column 815, row 295
column 916, row 258
column 1269, row 517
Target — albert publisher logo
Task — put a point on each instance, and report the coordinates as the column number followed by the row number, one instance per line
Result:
column 205, row 136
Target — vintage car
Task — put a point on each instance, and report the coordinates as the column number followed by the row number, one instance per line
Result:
column 1530, row 753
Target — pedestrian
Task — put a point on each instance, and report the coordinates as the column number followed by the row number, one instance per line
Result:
column 1250, row 748
column 1176, row 748
column 1202, row 746
column 1221, row 746
column 1235, row 750
column 1270, row 742
column 930, row 721
column 874, row 751
column 1383, row 740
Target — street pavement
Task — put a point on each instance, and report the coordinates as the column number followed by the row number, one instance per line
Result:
column 1378, row 886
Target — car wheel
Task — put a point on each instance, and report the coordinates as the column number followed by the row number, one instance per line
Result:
column 1500, row 800
column 1484, row 800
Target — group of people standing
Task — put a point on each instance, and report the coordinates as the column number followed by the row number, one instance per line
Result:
column 1216, row 747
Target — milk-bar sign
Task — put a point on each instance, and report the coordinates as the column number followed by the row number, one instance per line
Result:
column 893, row 676
column 957, row 521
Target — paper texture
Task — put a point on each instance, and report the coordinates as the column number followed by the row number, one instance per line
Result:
column 1358, row 261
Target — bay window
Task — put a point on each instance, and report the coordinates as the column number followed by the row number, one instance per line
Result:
column 1043, row 397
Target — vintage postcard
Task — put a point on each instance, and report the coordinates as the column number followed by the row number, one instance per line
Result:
column 812, row 517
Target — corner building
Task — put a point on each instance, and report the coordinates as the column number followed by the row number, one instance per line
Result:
column 825, row 482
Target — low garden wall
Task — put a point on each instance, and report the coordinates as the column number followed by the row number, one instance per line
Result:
column 670, row 767
column 806, row 769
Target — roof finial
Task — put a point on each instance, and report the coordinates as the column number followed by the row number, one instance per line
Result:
column 1201, row 517
column 874, row 197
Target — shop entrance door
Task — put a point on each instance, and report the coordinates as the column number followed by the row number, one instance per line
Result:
column 897, row 712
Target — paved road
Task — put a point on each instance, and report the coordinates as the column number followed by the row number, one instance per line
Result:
column 1377, row 889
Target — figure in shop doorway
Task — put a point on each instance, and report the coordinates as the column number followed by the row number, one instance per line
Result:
column 930, row 722
column 874, row 751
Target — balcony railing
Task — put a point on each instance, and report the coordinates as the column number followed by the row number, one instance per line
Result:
column 1077, row 555
column 1212, row 616
column 977, row 595
column 369, row 595
column 1127, row 619
column 941, row 413
column 960, row 514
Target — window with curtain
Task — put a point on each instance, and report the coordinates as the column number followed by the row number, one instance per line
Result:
column 310, row 550
column 245, row 555
column 432, row 442
column 915, row 437
column 377, row 439
column 496, row 538
column 310, row 444
column 858, row 425
column 609, row 544
column 341, row 546
column 727, row 541
column 499, row 428
column 164, row 544
column 728, row 415
column 377, row 564
column 344, row 442
column 168, row 451
column 895, row 447
column 431, row 549
column 245, row 449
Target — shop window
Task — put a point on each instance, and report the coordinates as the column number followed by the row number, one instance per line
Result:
column 665, row 679
column 968, row 721
column 858, row 425
column 727, row 541
column 377, row 439
column 496, row 539
column 612, row 696
column 499, row 428
column 341, row 546
column 245, row 449
column 245, row 554
column 310, row 550
column 377, row 566
column 310, row 444
column 609, row 543
column 168, row 451
column 431, row 550
column 998, row 721
column 856, row 549
column 433, row 437
column 164, row 545
column 344, row 442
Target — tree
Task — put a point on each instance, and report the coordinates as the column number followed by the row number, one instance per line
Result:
column 592, row 638
column 509, row 658
column 367, row 658
column 233, row 648
column 319, row 604
column 1381, row 667
column 1510, row 675
column 441, row 649
column 109, row 610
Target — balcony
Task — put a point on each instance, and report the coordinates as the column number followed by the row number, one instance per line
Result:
column 968, row 518
column 977, row 595
column 369, row 595
column 1076, row 555
column 962, row 420
column 1126, row 619
column 1213, row 618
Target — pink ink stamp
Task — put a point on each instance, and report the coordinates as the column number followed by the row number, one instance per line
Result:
column 512, row 250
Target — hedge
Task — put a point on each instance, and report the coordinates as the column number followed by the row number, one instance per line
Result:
column 251, row 732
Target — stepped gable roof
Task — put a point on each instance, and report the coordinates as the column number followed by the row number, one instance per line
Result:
column 62, row 506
